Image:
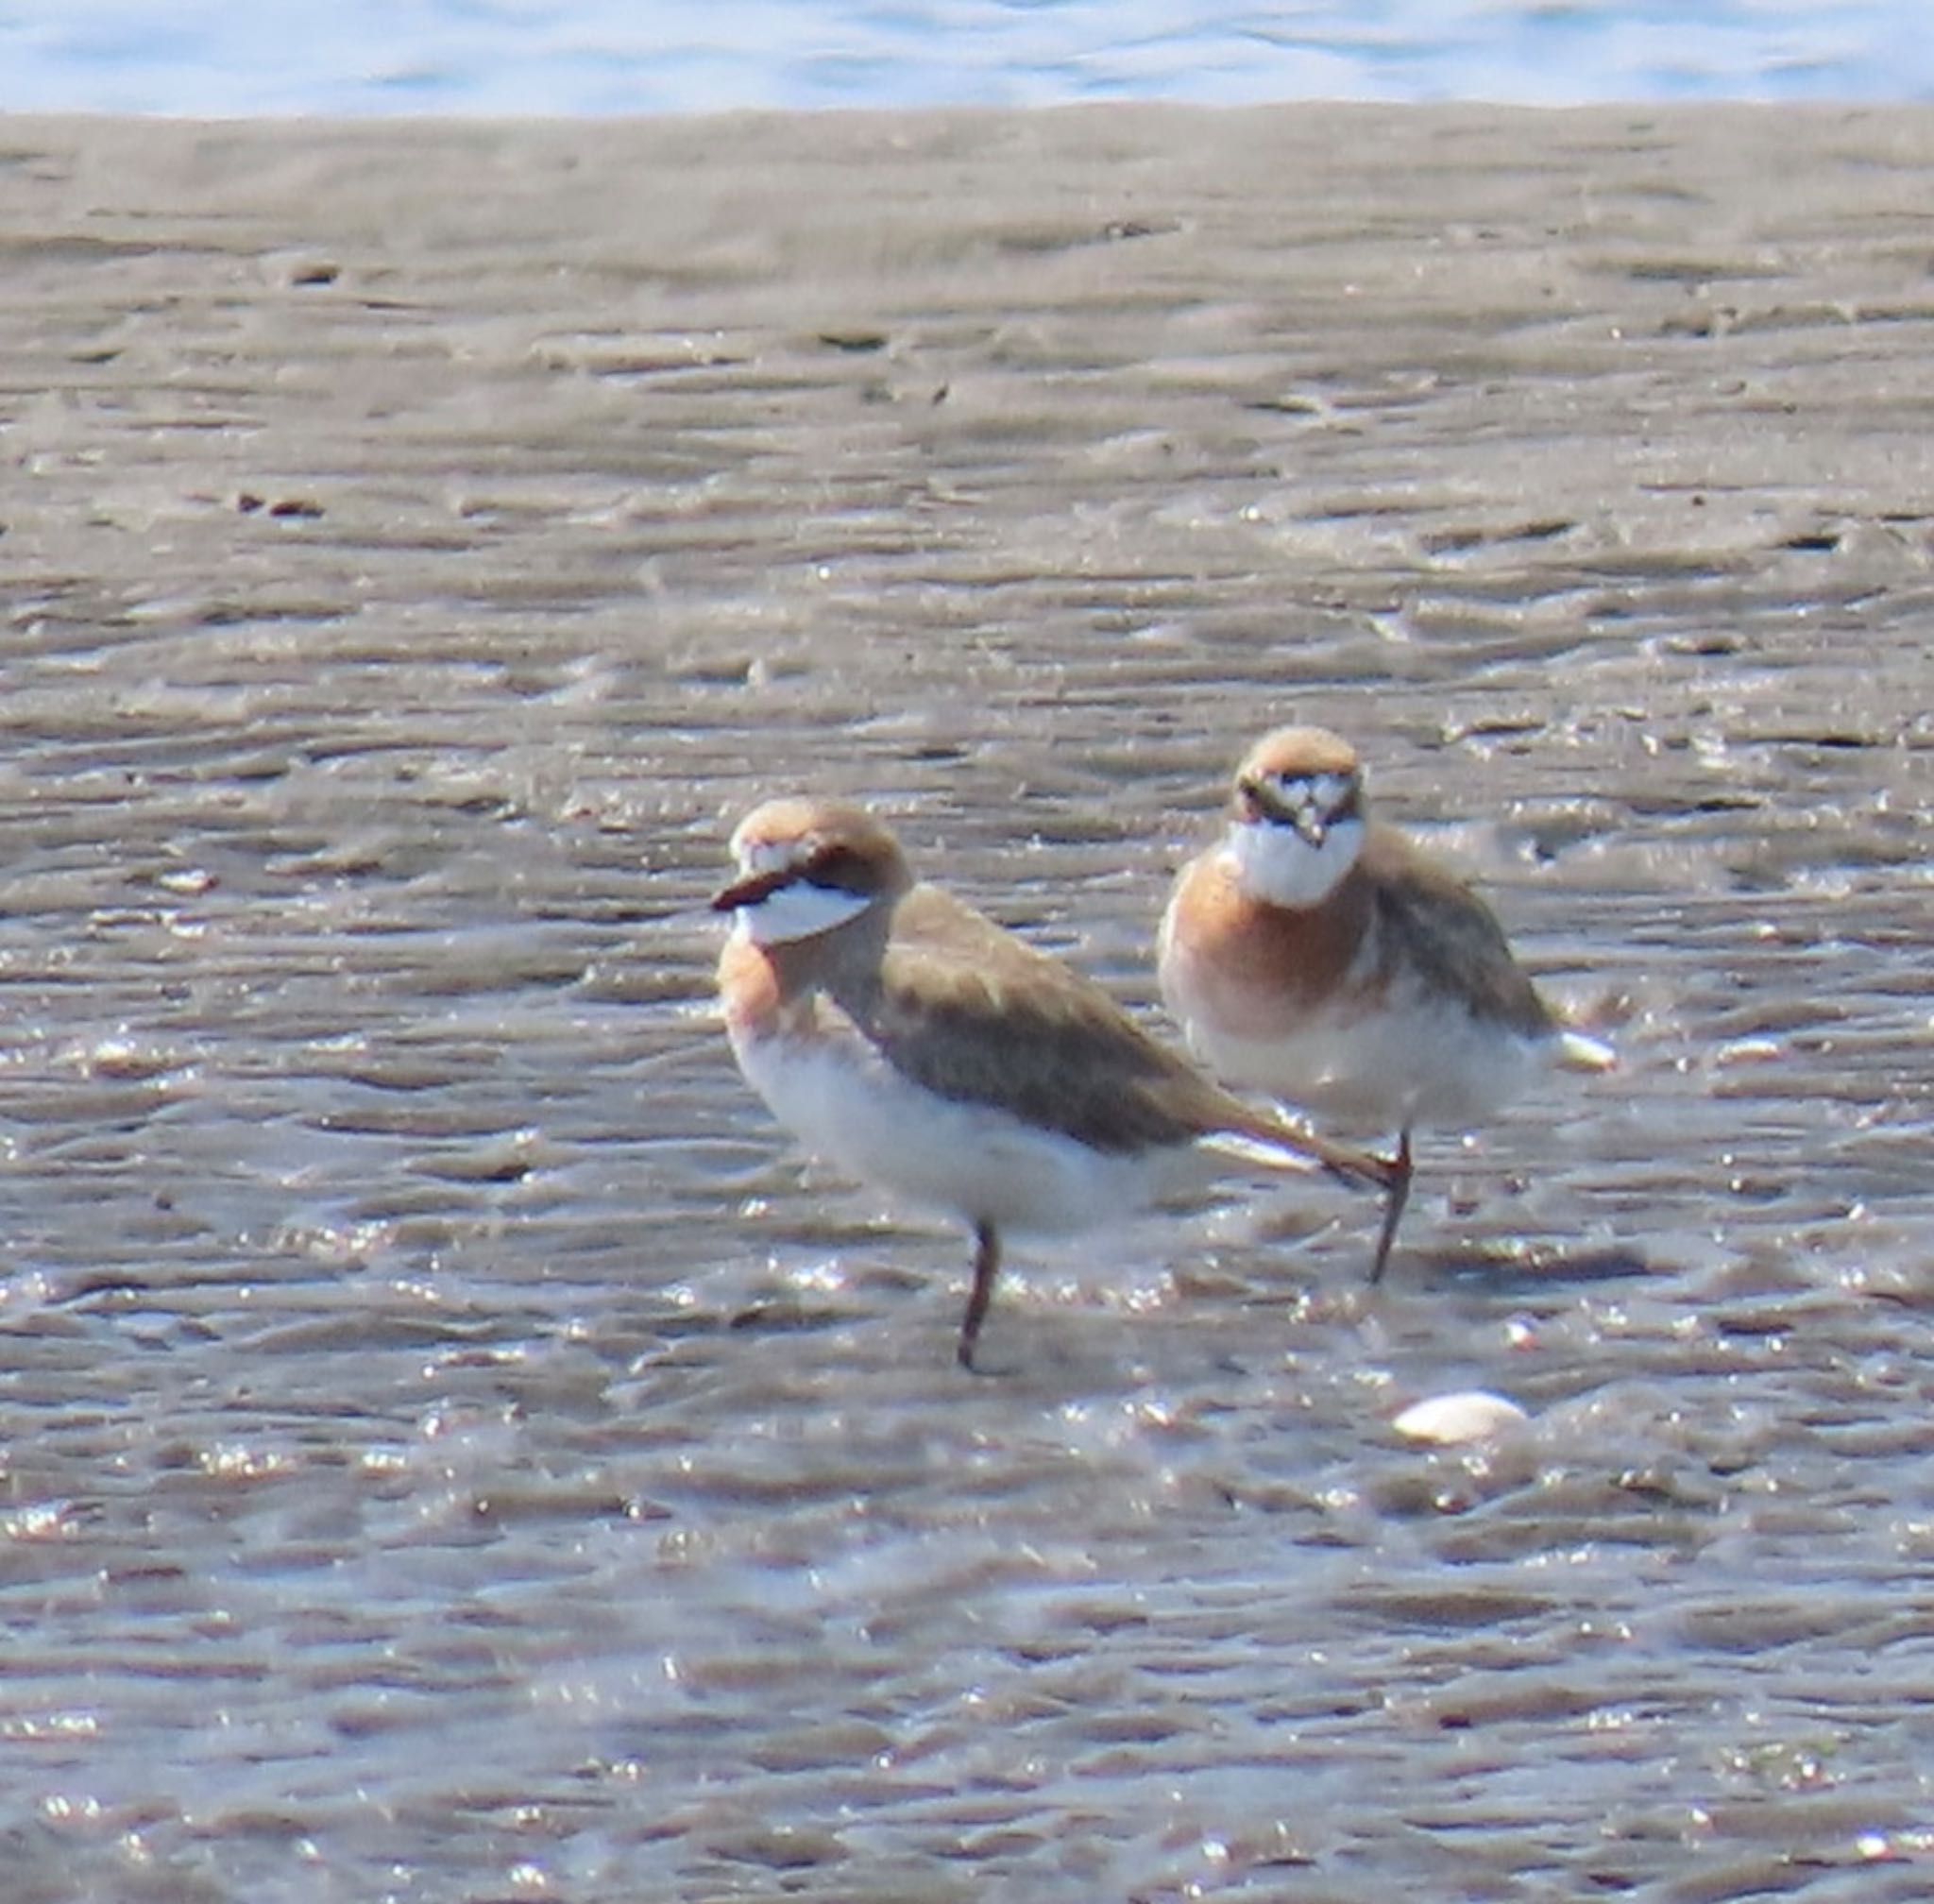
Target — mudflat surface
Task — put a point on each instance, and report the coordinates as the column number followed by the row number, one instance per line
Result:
column 454, row 1448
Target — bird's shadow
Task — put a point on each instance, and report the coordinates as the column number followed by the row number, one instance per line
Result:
column 1521, row 1266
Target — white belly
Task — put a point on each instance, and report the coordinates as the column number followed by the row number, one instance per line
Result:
column 967, row 1160
column 1388, row 1069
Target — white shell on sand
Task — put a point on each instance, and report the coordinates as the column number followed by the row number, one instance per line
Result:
column 1449, row 1420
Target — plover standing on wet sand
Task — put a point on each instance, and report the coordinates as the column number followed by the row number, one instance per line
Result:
column 1317, row 955
column 918, row 1045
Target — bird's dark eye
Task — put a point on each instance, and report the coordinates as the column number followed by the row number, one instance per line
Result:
column 1249, row 797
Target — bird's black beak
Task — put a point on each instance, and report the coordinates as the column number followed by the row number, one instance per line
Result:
column 750, row 890
column 1259, row 802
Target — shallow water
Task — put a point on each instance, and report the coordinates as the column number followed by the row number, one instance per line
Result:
column 454, row 1448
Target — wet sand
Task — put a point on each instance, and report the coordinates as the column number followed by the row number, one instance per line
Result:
column 454, row 1448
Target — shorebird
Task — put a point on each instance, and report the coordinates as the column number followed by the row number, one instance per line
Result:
column 928, row 1051
column 1315, row 954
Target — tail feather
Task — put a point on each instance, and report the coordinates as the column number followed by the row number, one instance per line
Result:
column 1278, row 1145
column 1580, row 1051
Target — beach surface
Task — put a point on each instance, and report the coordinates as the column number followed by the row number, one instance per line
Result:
column 455, row 1447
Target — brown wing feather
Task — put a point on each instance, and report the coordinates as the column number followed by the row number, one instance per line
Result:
column 1431, row 921
column 991, row 1021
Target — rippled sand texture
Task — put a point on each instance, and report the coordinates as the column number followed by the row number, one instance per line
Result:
column 454, row 1447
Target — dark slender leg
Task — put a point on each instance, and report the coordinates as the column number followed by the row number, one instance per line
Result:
column 987, row 1265
column 1394, row 1200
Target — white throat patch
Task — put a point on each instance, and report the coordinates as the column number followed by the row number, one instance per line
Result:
column 800, row 910
column 1274, row 862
